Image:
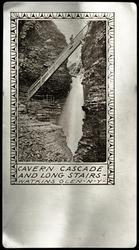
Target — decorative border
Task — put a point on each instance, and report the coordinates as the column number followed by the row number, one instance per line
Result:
column 109, row 17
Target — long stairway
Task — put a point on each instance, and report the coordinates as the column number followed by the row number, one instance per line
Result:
column 61, row 58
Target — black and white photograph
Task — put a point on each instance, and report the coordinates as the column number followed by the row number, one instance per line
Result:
column 62, row 90
column 62, row 98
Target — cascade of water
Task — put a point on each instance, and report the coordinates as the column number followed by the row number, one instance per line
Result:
column 72, row 116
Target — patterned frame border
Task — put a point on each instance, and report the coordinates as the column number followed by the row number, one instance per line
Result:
column 110, row 82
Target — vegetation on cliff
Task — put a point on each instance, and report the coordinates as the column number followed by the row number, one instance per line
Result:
column 40, row 42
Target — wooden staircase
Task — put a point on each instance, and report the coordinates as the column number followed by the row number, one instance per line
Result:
column 69, row 49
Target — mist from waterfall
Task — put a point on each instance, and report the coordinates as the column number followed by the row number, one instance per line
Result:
column 72, row 116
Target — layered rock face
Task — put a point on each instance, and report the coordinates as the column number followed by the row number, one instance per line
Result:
column 40, row 42
column 75, row 68
column 92, row 146
column 39, row 138
column 41, row 141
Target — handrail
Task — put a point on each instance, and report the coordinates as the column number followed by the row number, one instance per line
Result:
column 59, row 60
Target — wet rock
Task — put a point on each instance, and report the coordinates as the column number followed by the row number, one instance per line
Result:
column 43, row 117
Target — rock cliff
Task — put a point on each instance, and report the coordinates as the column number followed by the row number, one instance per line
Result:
column 39, row 138
column 40, row 42
column 41, row 141
column 92, row 146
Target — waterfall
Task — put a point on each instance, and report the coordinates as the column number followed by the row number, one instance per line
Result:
column 71, row 119
column 72, row 116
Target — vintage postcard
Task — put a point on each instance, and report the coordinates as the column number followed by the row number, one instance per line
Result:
column 62, row 98
column 69, row 124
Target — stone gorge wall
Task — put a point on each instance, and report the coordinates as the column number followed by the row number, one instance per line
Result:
column 92, row 146
column 40, row 42
column 39, row 138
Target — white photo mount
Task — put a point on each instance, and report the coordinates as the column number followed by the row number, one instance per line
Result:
column 80, row 213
